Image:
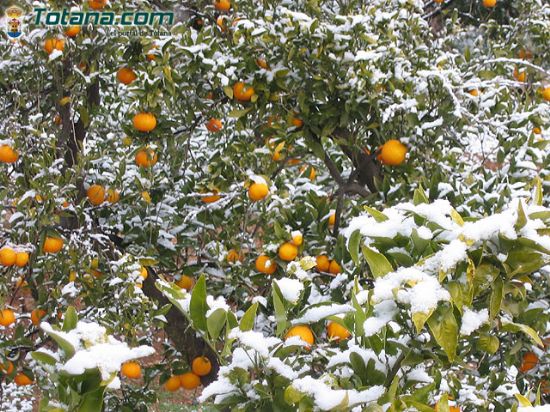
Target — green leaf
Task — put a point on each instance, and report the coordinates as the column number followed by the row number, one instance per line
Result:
column 353, row 246
column 237, row 113
column 419, row 196
column 292, row 395
column 538, row 195
column 316, row 148
column 71, row 319
column 444, row 328
column 522, row 219
column 443, row 403
column 496, row 298
column 228, row 90
column 198, row 306
column 378, row 216
column 488, row 343
column 455, row 289
column 280, row 310
column 92, row 401
column 358, row 365
column 65, row 345
column 216, row 322
column 377, row 262
column 247, row 321
column 455, row 216
column 527, row 330
column 43, row 357
column 523, row 401
column 360, row 315
column 420, row 318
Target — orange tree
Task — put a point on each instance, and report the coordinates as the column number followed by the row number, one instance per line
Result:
column 250, row 176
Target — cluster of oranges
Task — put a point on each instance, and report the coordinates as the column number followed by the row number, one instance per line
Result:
column 201, row 366
column 335, row 332
column 10, row 257
column 97, row 194
column 324, row 264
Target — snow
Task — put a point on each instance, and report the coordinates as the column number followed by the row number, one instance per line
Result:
column 290, row 289
column 317, row 313
column 542, row 408
column 472, row 320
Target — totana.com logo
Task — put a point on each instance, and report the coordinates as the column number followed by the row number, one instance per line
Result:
column 14, row 22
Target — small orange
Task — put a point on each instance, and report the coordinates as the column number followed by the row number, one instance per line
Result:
column 335, row 331
column 222, row 5
column 172, row 384
column 303, row 332
column 214, row 197
column 334, row 268
column 185, row 282
column 189, row 381
column 146, row 157
column 288, row 252
column 52, row 244
column 214, row 125
column 257, row 191
column 474, row 92
column 297, row 239
column 113, row 196
column 545, row 92
column 7, row 154
column 52, row 44
column 144, row 122
column 96, row 194
column 126, row 75
column 232, row 256
column 520, row 76
column 261, row 62
column 97, row 4
column 201, row 366
column 72, row 31
column 332, row 219
column 7, row 367
column 8, row 256
column 131, row 370
column 537, row 130
column 7, row 317
column 528, row 362
column 393, row 153
column 265, row 265
column 323, row 263
column 489, row 3
column 296, row 122
column 22, row 380
column 37, row 315
column 242, row 92
column 21, row 259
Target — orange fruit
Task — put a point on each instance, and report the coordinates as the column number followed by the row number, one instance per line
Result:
column 335, row 331
column 201, row 366
column 143, row 272
column 52, row 244
column 96, row 194
column 214, row 125
column 257, row 191
column 297, row 239
column 265, row 265
column 474, row 92
column 303, row 332
column 7, row 317
column 22, row 380
column 172, row 384
column 545, row 92
column 131, row 370
column 7, row 367
column 232, row 256
column 261, row 62
column 489, row 3
column 520, row 76
column 113, row 196
column 332, row 219
column 97, row 4
column 7, row 256
column 214, row 197
column 222, row 5
column 37, row 315
column 21, row 259
column 288, row 252
column 528, row 362
column 72, row 31
column 334, row 268
column 144, row 122
column 146, row 157
column 189, row 381
column 439, row 1
column 323, row 263
column 537, row 130
column 7, row 154
column 393, row 153
column 185, row 282
column 52, row 44
column 126, row 75
column 525, row 54
column 242, row 92
column 296, row 122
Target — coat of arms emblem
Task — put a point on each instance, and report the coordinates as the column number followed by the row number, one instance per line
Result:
column 13, row 18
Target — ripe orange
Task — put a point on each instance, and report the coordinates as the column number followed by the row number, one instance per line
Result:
column 113, row 196
column 242, row 92
column 520, row 76
column 265, row 265
column 334, row 268
column 261, row 62
column 97, row 4
column 214, row 197
column 131, row 370
column 474, row 92
column 489, row 3
column 144, row 273
column 222, row 5
column 126, row 75
column 72, row 31
column 52, row 44
column 7, row 154
column 537, row 130
column 7, row 367
column 172, row 384
column 335, row 331
column 545, row 92
column 232, row 256
column 296, row 122
column 7, row 317
column 302, row 331
column 201, row 366
column 146, row 157
column 37, row 315
column 288, row 252
column 7, row 256
column 189, row 381
column 96, row 194
column 297, row 239
column 332, row 219
column 22, row 380
column 52, row 244
column 144, row 122
column 393, row 153
column 21, row 259
column 528, row 362
column 185, row 282
column 323, row 263
column 257, row 191
column 214, row 125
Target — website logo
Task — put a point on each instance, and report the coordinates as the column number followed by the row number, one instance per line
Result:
column 14, row 16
